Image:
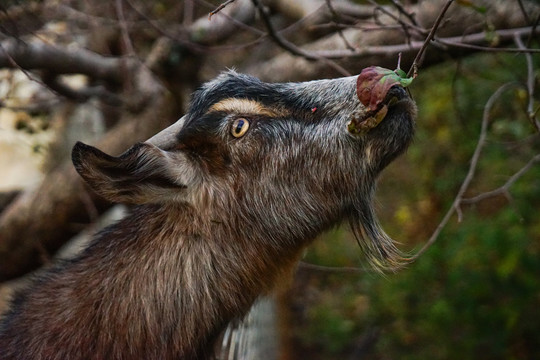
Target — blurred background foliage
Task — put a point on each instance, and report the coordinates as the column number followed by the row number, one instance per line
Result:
column 475, row 293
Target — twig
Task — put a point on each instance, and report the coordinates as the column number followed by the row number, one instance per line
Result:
column 530, row 83
column 404, row 12
column 417, row 60
column 11, row 62
column 486, row 48
column 80, row 95
column 470, row 174
column 403, row 25
column 30, row 56
column 290, row 47
column 50, row 82
column 534, row 26
column 336, row 17
column 524, row 12
column 200, row 45
column 240, row 24
column 123, row 28
column 504, row 188
column 219, row 8
column 455, row 41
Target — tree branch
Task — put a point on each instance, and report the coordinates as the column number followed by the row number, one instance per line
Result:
column 41, row 56
column 418, row 59
column 219, row 8
column 39, row 221
column 504, row 189
column 470, row 174
column 336, row 19
column 80, row 95
column 290, row 47
column 530, row 83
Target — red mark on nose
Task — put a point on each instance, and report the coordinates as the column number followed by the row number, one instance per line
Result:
column 313, row 110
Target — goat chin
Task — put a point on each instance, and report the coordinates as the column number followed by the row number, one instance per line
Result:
column 226, row 200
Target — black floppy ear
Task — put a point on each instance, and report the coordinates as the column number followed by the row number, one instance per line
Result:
column 142, row 174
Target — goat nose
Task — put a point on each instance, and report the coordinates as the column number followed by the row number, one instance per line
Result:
column 396, row 91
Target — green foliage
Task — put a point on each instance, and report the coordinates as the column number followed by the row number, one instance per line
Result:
column 475, row 294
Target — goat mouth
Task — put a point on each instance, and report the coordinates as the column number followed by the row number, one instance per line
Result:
column 363, row 121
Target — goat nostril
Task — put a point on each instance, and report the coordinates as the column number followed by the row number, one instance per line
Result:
column 396, row 92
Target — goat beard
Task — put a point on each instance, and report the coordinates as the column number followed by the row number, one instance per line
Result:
column 379, row 248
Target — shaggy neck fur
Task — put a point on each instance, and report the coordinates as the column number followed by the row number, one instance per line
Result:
column 156, row 285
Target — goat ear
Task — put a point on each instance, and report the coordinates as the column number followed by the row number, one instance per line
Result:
column 140, row 175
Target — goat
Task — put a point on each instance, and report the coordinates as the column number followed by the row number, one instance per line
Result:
column 226, row 200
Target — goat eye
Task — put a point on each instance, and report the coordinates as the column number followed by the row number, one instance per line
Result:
column 239, row 127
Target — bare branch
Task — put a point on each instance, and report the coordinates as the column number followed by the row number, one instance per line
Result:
column 470, row 174
column 80, row 95
column 412, row 25
column 290, row 47
column 28, row 228
column 530, row 83
column 336, row 18
column 466, row 41
column 123, row 28
column 317, row 9
column 524, row 12
column 32, row 56
column 418, row 59
column 504, row 189
column 404, row 12
column 202, row 32
column 219, row 8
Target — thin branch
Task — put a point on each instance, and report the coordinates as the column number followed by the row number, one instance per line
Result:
column 530, row 83
column 533, row 31
column 455, row 41
column 417, row 60
column 80, row 95
column 470, row 174
column 31, row 56
column 123, row 27
column 480, row 145
column 238, row 22
column 336, row 18
column 404, row 25
column 219, row 8
column 404, row 12
column 290, row 47
column 524, row 12
column 467, row 41
column 12, row 63
column 503, row 190
column 222, row 29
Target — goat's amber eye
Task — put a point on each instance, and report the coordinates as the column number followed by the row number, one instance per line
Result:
column 239, row 127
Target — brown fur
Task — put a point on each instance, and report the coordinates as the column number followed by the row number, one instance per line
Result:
column 220, row 220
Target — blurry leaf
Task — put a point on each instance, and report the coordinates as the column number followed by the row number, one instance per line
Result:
column 374, row 82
